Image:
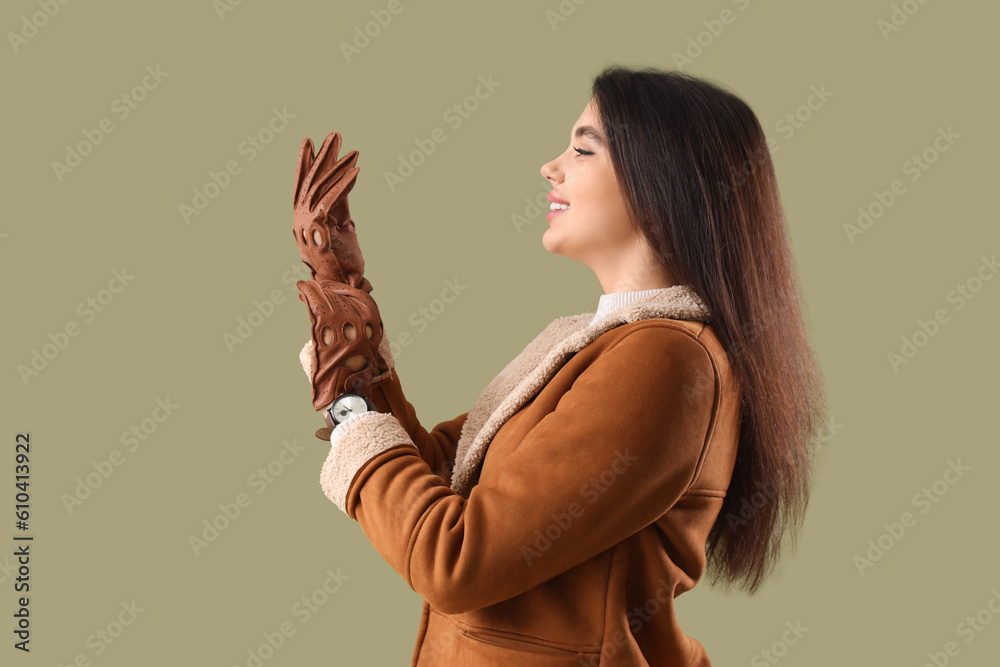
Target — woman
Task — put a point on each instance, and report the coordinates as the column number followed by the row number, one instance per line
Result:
column 613, row 462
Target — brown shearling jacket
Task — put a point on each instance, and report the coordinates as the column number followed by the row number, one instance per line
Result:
column 555, row 522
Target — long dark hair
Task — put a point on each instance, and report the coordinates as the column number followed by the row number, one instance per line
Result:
column 694, row 168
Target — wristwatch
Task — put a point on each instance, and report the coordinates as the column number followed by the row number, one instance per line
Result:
column 346, row 405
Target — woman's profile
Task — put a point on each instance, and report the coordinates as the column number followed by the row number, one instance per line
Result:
column 625, row 453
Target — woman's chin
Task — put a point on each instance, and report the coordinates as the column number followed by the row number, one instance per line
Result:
column 550, row 241
column 554, row 242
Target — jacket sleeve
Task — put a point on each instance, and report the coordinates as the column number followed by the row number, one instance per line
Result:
column 619, row 449
column 437, row 446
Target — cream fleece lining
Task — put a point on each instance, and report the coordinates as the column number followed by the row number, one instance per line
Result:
column 356, row 441
column 364, row 436
column 525, row 376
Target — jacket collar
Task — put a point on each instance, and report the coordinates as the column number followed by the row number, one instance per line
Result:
column 542, row 358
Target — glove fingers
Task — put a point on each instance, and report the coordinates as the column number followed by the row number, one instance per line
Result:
column 323, row 228
column 320, row 310
column 332, row 305
column 329, row 172
column 344, row 245
column 346, row 324
column 331, row 145
column 305, row 161
column 326, row 159
column 336, row 184
column 311, row 294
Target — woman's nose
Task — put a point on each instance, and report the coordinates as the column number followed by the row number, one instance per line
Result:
column 549, row 171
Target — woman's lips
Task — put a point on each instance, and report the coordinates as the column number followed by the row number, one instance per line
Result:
column 552, row 214
column 556, row 199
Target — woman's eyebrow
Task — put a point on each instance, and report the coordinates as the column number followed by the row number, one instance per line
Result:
column 587, row 130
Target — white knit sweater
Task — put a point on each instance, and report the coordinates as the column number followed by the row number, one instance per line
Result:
column 615, row 300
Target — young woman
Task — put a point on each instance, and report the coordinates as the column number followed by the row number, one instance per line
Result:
column 624, row 452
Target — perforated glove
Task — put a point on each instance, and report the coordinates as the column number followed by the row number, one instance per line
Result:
column 346, row 325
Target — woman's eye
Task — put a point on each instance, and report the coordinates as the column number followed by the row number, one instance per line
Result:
column 582, row 151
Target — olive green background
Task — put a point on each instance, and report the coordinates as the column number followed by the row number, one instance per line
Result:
column 164, row 335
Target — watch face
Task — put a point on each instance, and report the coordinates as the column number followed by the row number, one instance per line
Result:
column 347, row 405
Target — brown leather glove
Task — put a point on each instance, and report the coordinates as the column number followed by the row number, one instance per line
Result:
column 322, row 225
column 346, row 325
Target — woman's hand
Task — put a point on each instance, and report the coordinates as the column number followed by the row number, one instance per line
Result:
column 346, row 324
column 346, row 334
column 322, row 224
